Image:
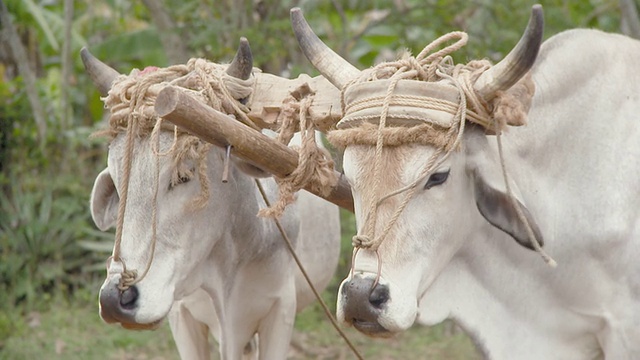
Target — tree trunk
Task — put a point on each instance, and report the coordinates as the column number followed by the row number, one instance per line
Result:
column 67, row 63
column 630, row 21
column 173, row 45
column 20, row 58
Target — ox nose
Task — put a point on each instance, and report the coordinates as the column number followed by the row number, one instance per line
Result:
column 129, row 297
column 117, row 305
column 363, row 303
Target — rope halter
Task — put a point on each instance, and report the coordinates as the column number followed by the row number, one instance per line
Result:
column 131, row 101
column 424, row 100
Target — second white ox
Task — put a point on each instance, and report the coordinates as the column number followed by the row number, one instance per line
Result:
column 576, row 174
column 218, row 266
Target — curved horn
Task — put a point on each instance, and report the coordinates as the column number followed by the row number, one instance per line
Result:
column 242, row 64
column 336, row 69
column 100, row 73
column 516, row 64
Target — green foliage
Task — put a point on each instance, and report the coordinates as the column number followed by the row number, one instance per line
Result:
column 39, row 230
column 366, row 32
column 83, row 336
column 137, row 49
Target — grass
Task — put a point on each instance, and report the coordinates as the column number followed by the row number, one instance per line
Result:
column 68, row 331
column 75, row 331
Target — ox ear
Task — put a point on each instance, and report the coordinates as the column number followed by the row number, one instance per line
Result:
column 104, row 201
column 491, row 196
column 251, row 169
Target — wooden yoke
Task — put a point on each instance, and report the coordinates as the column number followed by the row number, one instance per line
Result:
column 270, row 90
column 247, row 144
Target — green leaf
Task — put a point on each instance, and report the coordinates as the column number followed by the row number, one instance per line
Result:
column 97, row 246
column 141, row 48
column 38, row 15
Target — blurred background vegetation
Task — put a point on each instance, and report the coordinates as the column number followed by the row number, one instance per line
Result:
column 51, row 255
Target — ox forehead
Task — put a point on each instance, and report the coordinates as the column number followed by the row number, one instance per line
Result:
column 434, row 226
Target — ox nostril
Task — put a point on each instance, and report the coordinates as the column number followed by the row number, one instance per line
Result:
column 129, row 297
column 379, row 296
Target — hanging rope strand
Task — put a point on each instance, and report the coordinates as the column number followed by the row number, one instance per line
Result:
column 122, row 205
column 514, row 202
column 292, row 251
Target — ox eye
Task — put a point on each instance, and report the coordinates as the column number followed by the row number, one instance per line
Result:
column 183, row 179
column 436, row 179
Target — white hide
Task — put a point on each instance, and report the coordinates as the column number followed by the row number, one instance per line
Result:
column 220, row 267
column 577, row 169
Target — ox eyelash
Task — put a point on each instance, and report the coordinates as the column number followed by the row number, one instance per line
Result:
column 183, row 178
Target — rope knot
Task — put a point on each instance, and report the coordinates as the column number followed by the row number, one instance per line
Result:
column 361, row 241
column 315, row 165
column 127, row 279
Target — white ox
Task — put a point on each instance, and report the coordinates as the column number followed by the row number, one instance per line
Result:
column 218, row 268
column 576, row 172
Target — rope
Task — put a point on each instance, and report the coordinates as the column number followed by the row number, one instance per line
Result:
column 292, row 251
column 131, row 100
column 131, row 279
column 514, row 202
column 315, row 165
column 509, row 108
column 371, row 241
column 127, row 275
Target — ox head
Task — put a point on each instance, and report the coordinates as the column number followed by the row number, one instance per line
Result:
column 183, row 228
column 464, row 194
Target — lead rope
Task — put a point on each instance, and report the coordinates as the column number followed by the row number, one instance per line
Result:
column 410, row 67
column 155, row 148
column 373, row 242
column 122, row 205
column 287, row 241
column 130, row 277
column 532, row 236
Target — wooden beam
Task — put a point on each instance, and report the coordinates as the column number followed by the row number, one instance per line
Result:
column 247, row 144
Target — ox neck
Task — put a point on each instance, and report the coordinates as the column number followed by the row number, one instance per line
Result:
column 471, row 291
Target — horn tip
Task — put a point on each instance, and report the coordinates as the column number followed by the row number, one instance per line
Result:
column 296, row 15
column 86, row 56
column 84, row 53
column 537, row 14
column 242, row 64
column 244, row 49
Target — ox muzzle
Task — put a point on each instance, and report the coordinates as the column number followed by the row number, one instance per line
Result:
column 362, row 304
column 120, row 306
